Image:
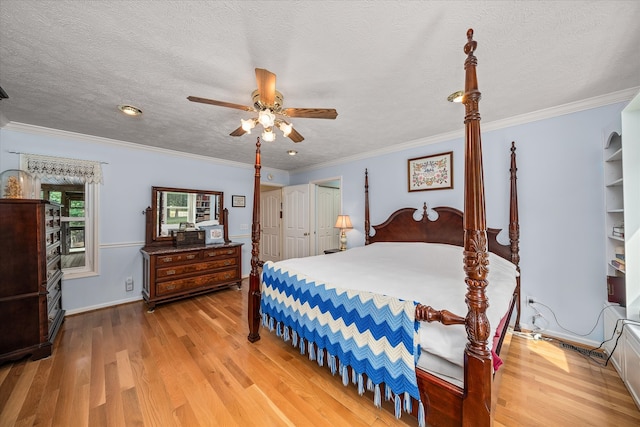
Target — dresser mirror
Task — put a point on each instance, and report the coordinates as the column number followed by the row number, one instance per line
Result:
column 180, row 208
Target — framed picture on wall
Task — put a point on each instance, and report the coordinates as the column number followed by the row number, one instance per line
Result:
column 238, row 201
column 433, row 172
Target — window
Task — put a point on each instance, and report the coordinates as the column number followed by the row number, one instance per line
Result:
column 73, row 184
column 72, row 199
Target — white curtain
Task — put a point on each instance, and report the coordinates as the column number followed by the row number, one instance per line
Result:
column 48, row 169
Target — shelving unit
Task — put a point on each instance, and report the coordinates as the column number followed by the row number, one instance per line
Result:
column 622, row 198
column 614, row 202
column 203, row 208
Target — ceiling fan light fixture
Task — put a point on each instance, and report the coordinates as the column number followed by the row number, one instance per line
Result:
column 266, row 118
column 286, row 128
column 130, row 110
column 268, row 135
column 247, row 125
column 456, row 96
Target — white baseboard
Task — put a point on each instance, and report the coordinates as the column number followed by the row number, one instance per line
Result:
column 105, row 305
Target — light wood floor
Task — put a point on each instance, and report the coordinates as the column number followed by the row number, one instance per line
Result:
column 189, row 364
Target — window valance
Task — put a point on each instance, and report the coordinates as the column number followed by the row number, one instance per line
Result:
column 43, row 167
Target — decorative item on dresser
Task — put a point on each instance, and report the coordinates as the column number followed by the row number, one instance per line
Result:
column 31, row 278
column 175, row 269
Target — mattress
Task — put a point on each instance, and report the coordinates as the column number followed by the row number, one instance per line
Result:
column 428, row 273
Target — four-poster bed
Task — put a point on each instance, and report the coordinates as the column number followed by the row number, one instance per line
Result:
column 375, row 336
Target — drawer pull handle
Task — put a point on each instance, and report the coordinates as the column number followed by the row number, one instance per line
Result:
column 170, row 272
column 192, row 256
column 170, row 287
column 169, row 259
column 227, row 262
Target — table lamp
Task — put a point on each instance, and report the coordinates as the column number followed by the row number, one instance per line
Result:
column 343, row 223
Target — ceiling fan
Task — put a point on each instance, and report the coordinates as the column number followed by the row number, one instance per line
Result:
column 268, row 103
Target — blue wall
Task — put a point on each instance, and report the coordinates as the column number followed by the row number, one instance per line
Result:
column 561, row 199
column 129, row 173
column 561, row 204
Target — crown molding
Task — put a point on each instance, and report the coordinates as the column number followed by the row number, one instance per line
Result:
column 547, row 113
column 74, row 136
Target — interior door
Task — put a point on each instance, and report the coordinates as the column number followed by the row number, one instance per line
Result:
column 270, row 219
column 327, row 210
column 296, row 221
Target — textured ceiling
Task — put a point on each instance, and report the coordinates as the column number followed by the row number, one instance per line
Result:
column 386, row 66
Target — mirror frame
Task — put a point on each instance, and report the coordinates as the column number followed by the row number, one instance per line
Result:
column 153, row 213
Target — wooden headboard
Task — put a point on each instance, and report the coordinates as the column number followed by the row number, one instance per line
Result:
column 401, row 226
column 447, row 226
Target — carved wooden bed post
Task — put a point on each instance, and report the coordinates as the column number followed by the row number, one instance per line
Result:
column 476, row 407
column 367, row 225
column 514, row 229
column 254, row 277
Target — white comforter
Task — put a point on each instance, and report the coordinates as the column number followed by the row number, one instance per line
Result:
column 431, row 274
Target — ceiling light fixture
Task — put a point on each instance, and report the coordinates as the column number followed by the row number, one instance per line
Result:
column 456, row 96
column 292, row 152
column 130, row 110
column 268, row 135
column 247, row 125
column 268, row 120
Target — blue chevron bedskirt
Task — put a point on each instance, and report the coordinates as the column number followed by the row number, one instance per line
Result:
column 375, row 335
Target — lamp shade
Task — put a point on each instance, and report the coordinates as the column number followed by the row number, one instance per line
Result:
column 343, row 222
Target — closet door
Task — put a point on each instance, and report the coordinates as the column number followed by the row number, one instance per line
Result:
column 296, row 221
column 327, row 209
column 270, row 213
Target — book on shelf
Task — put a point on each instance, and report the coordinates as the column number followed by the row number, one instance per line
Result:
column 616, row 290
column 618, row 264
column 620, row 257
column 618, row 231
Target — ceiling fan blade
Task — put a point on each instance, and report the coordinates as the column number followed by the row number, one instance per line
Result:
column 295, row 136
column 219, row 103
column 238, row 132
column 311, row 113
column 266, row 86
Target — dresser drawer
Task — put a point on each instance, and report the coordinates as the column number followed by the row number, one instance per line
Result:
column 53, row 293
column 54, row 307
column 178, row 258
column 178, row 270
column 53, row 251
column 220, row 252
column 165, row 288
column 52, row 237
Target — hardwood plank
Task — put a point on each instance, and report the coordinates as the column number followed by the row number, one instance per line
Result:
column 18, row 394
column 96, row 390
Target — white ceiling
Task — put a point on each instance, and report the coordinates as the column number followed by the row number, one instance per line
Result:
column 386, row 66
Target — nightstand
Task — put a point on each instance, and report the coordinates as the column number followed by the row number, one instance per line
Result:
column 331, row 251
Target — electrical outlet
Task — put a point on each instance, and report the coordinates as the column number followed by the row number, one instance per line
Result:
column 530, row 299
column 128, row 284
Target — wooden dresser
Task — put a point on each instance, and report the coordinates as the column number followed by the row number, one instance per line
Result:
column 171, row 273
column 30, row 278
